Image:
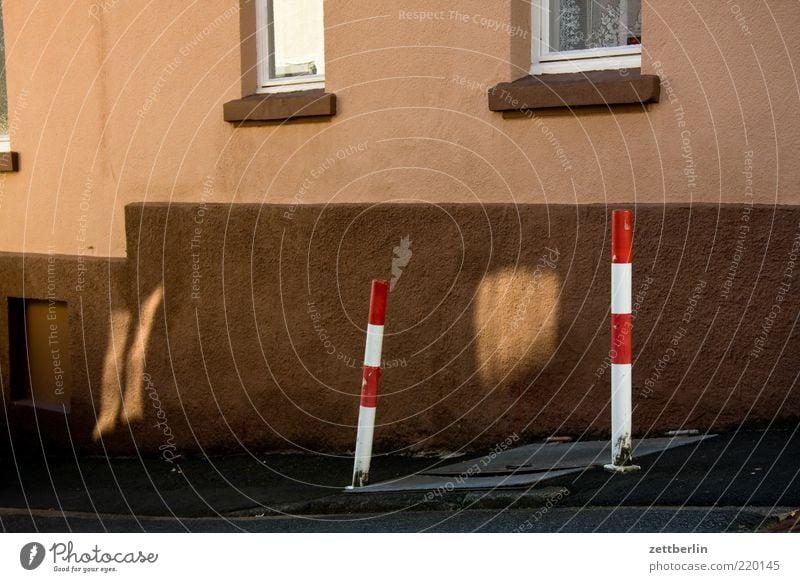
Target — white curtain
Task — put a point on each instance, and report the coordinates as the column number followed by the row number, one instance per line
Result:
column 585, row 24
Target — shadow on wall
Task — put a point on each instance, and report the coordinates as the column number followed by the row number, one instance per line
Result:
column 87, row 387
column 497, row 322
column 243, row 326
column 264, row 313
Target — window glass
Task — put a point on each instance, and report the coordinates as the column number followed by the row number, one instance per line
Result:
column 296, row 41
column 592, row 24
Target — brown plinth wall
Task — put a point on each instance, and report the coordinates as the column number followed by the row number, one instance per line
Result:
column 243, row 325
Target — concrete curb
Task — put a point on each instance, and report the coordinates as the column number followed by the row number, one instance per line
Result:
column 346, row 503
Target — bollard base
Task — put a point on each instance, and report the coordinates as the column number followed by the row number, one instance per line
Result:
column 611, row 468
column 360, row 478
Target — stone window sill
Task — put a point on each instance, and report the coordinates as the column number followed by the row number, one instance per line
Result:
column 268, row 107
column 9, row 162
column 569, row 90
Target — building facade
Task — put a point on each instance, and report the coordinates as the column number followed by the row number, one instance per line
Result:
column 196, row 195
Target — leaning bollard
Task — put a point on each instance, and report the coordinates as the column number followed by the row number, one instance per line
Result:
column 621, row 331
column 369, row 383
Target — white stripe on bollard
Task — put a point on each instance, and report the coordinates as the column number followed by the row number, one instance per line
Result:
column 621, row 277
column 621, row 412
column 366, row 432
column 372, row 353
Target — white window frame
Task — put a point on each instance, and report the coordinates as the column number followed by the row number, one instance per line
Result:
column 5, row 138
column 265, row 83
column 544, row 61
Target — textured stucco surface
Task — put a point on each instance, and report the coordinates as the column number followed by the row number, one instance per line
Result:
column 98, row 308
column 121, row 102
column 497, row 325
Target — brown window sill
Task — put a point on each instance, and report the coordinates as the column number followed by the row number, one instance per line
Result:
column 281, row 106
column 9, row 162
column 621, row 87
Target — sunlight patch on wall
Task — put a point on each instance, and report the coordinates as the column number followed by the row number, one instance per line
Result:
column 124, row 365
column 113, row 374
column 516, row 322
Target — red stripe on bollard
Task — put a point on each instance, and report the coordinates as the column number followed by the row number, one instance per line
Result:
column 369, row 386
column 377, row 302
column 621, row 236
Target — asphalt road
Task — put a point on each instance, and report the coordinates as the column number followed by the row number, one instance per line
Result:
column 741, row 476
column 593, row 519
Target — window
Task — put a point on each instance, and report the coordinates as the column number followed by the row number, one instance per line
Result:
column 291, row 45
column 5, row 143
column 571, row 36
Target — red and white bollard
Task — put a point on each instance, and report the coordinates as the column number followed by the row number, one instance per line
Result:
column 621, row 332
column 369, row 383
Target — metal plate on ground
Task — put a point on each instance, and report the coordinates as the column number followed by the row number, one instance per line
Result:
column 549, row 457
column 522, row 466
column 452, row 483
